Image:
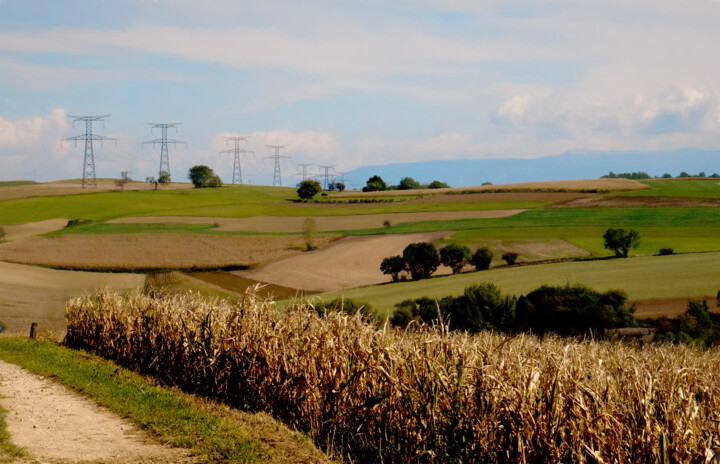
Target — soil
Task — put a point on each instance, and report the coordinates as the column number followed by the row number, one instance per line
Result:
column 640, row 202
column 32, row 229
column 54, row 424
column 347, row 263
column 152, row 251
column 324, row 223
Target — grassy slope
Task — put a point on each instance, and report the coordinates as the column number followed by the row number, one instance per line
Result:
column 643, row 277
column 235, row 201
column 692, row 188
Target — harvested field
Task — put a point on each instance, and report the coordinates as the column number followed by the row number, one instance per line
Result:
column 152, row 251
column 640, row 202
column 669, row 307
column 75, row 188
column 501, row 197
column 534, row 250
column 349, row 262
column 614, row 185
column 239, row 284
column 31, row 294
column 324, row 223
column 32, row 229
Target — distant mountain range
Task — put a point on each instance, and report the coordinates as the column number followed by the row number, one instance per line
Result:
column 566, row 166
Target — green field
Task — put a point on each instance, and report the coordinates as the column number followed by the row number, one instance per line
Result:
column 683, row 188
column 229, row 201
column 690, row 275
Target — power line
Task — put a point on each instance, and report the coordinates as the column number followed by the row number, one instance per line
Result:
column 327, row 175
column 164, row 141
column 304, row 170
column 88, row 177
column 277, row 180
column 237, row 171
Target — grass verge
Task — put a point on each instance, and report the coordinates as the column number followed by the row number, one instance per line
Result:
column 173, row 418
column 8, row 451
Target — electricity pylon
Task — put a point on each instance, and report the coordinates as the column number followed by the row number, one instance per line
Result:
column 163, row 141
column 88, row 177
column 327, row 175
column 304, row 170
column 237, row 171
column 277, row 180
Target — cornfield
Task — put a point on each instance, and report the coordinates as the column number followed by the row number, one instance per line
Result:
column 424, row 395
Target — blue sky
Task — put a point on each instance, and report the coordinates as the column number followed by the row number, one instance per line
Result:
column 352, row 82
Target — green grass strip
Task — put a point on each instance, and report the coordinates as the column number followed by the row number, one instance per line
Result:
column 172, row 418
column 8, row 451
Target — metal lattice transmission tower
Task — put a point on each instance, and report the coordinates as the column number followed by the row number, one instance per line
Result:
column 164, row 141
column 277, row 179
column 236, row 151
column 304, row 170
column 327, row 173
column 88, row 177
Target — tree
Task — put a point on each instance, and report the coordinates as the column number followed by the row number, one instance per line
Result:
column 375, row 184
column 393, row 266
column 667, row 175
column 482, row 258
column 339, row 186
column 436, row 184
column 308, row 189
column 455, row 256
column 163, row 178
column 620, row 241
column 422, row 259
column 120, row 183
column 152, row 180
column 408, row 183
column 2, row 233
column 309, row 228
column 202, row 176
column 510, row 258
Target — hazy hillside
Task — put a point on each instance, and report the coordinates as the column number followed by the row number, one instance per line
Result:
column 569, row 165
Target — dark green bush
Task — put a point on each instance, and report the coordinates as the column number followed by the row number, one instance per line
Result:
column 482, row 258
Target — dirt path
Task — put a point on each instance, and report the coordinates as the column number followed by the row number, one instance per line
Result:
column 56, row 425
column 347, row 263
column 324, row 223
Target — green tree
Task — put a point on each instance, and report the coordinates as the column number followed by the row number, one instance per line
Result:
column 408, row 183
column 482, row 258
column 202, row 176
column 436, row 184
column 422, row 259
column 2, row 233
column 481, row 307
column 510, row 258
column 455, row 256
column 308, row 189
column 375, row 184
column 393, row 266
column 620, row 241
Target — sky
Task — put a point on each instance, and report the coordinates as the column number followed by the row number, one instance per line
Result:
column 350, row 83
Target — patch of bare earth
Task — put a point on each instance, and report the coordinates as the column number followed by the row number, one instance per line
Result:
column 324, row 223
column 535, row 250
column 75, row 188
column 32, row 229
column 32, row 294
column 54, row 424
column 152, row 251
column 640, row 202
column 347, row 263
column 669, row 307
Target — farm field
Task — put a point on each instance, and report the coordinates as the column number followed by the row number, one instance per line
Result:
column 32, row 294
column 690, row 275
column 260, row 228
